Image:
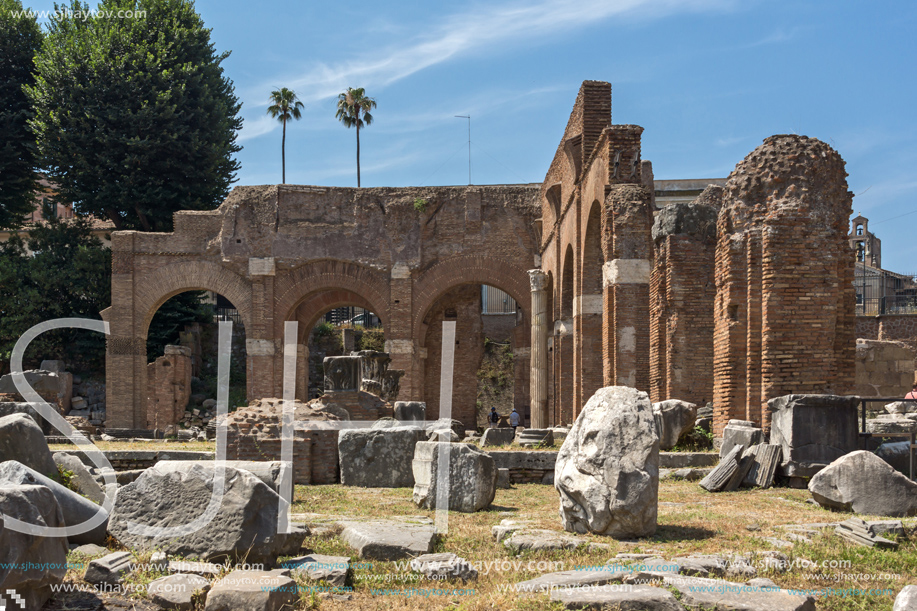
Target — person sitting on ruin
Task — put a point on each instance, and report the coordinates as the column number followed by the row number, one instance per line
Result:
column 494, row 418
column 913, row 393
column 514, row 420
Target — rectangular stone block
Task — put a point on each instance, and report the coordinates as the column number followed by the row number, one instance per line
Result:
column 813, row 431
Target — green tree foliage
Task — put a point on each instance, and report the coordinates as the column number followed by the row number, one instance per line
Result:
column 353, row 111
column 171, row 318
column 133, row 116
column 67, row 274
column 285, row 106
column 20, row 38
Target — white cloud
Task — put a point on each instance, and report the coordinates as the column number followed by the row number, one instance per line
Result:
column 461, row 33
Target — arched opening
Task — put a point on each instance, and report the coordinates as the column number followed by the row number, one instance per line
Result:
column 563, row 345
column 332, row 322
column 588, row 310
column 182, row 349
column 491, row 367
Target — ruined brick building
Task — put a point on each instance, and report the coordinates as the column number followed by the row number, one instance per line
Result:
column 739, row 296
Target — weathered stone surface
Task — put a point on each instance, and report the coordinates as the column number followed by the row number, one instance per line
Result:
column 23, row 557
column 342, row 373
column 686, row 218
column 507, row 527
column 268, row 471
column 54, row 387
column 410, row 411
column 378, row 458
column 525, row 459
column 906, row 599
column 673, row 418
column 444, row 566
column 472, row 476
column 897, row 454
column 245, row 525
column 857, row 531
column 22, row 440
column 607, row 471
column 901, row 407
column 253, row 591
column 503, row 479
column 723, row 473
column 573, row 579
column 890, row 424
column 728, row 596
column 763, row 466
column 389, row 540
column 110, row 569
column 81, row 479
column 864, row 483
column 639, row 597
column 75, row 509
column 500, row 436
column 539, row 540
column 681, row 460
column 204, row 569
column 179, row 592
column 691, row 474
column 444, row 423
column 812, row 430
column 333, row 570
column 90, row 549
column 740, row 432
column 535, row 437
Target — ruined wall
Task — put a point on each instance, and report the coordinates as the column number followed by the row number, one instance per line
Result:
column 281, row 252
column 168, row 387
column 784, row 310
column 682, row 293
column 883, row 369
column 889, row 327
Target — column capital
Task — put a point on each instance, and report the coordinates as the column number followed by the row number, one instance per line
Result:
column 538, row 279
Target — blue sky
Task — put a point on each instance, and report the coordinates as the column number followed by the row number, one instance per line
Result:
column 707, row 79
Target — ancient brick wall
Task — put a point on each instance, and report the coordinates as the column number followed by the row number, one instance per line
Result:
column 889, row 327
column 283, row 253
column 682, row 292
column 784, row 310
column 168, row 387
column 884, row 368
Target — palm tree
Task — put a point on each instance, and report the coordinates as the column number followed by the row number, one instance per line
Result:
column 351, row 104
column 286, row 107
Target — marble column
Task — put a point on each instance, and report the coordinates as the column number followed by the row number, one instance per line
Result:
column 539, row 350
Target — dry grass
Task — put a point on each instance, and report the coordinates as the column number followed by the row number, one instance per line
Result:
column 690, row 521
column 152, row 445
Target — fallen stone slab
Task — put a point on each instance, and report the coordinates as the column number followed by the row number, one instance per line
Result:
column 243, row 528
column 498, row 437
column 333, row 570
column 690, row 474
column 22, row 440
column 76, row 509
column 673, row 418
column 607, row 471
column 722, row 474
column 864, row 483
column 472, row 476
column 90, row 549
column 683, row 460
column 763, row 465
column 744, row 465
column 697, row 592
column 650, row 569
column 378, row 458
column 538, row 540
column 906, row 599
column 639, row 597
column 253, row 591
column 740, row 432
column 503, row 480
column 203, row 569
column 857, row 531
column 444, row 566
column 389, row 540
column 886, row 527
column 82, row 480
column 596, row 576
column 507, row 527
column 180, row 592
column 268, row 471
column 410, row 411
column 31, row 565
column 110, row 569
column 536, row 437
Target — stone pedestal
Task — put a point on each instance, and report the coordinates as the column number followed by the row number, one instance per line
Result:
column 813, row 430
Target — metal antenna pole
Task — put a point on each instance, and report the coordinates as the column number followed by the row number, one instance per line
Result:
column 469, row 143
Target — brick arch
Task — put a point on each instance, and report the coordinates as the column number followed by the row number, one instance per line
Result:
column 295, row 286
column 445, row 275
column 567, row 284
column 162, row 284
column 317, row 304
column 592, row 258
